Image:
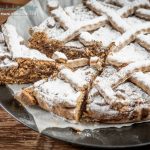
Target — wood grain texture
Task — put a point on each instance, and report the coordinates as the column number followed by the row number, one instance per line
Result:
column 20, row 2
column 15, row 136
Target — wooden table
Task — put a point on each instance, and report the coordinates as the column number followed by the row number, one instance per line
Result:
column 15, row 136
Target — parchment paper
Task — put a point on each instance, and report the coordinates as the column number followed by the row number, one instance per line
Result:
column 44, row 119
column 30, row 15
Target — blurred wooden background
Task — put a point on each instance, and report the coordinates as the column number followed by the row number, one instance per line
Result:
column 21, row 2
column 8, row 6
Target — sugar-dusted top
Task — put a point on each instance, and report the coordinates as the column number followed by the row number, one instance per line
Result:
column 57, row 92
column 17, row 49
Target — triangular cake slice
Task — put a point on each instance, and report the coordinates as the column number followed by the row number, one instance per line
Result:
column 56, row 96
column 20, row 64
column 98, row 109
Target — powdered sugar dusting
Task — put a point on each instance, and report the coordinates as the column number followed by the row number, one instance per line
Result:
column 52, row 4
column 106, row 86
column 130, row 36
column 126, row 72
column 144, row 40
column 134, row 21
column 130, row 8
column 55, row 31
column 2, row 40
column 76, row 44
column 17, row 50
column 73, row 32
column 8, row 63
column 3, row 51
column 118, row 2
column 61, row 16
column 79, row 79
column 53, row 92
column 129, row 54
column 143, row 11
column 58, row 55
column 142, row 80
column 48, row 23
column 99, row 105
column 100, row 35
column 105, row 109
column 80, row 13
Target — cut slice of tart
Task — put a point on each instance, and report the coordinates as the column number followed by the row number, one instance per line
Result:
column 97, row 110
column 56, row 96
column 23, row 65
column 100, row 110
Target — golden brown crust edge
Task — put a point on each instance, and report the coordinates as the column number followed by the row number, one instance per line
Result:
column 133, row 116
column 27, row 97
column 136, row 115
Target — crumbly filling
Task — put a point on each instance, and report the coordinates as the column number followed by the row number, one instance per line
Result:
column 27, row 97
column 28, row 71
column 48, row 46
column 40, row 41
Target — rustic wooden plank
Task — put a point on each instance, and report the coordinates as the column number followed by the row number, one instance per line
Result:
column 20, row 2
column 15, row 136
